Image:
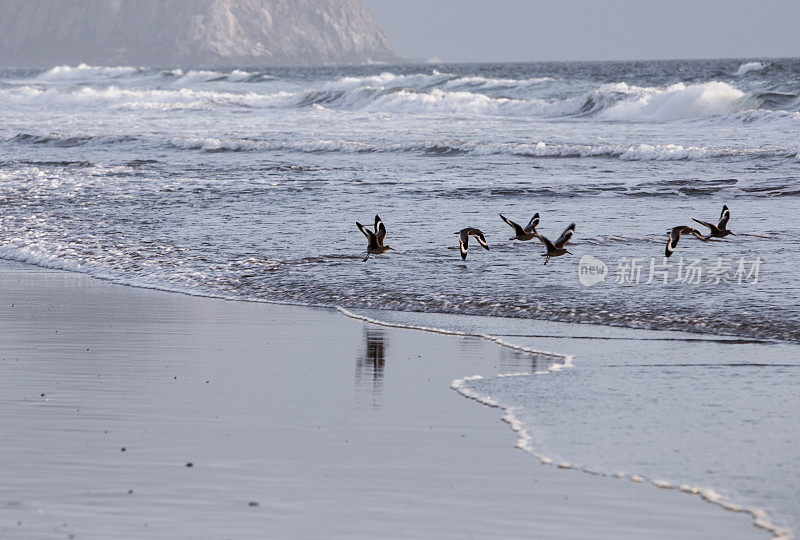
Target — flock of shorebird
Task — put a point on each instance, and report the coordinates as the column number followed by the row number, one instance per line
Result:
column 375, row 245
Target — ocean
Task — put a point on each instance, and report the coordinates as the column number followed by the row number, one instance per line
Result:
column 246, row 184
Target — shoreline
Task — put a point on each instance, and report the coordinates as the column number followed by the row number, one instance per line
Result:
column 525, row 440
column 525, row 443
column 397, row 466
column 48, row 263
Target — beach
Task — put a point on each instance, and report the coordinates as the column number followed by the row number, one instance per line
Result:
column 193, row 345
column 136, row 413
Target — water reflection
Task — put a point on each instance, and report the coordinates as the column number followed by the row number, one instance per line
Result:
column 369, row 367
column 529, row 362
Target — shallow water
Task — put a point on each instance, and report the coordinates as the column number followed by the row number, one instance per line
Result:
column 675, row 423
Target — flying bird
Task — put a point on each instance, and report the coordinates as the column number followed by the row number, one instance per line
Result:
column 526, row 233
column 675, row 234
column 719, row 230
column 463, row 240
column 557, row 249
column 375, row 239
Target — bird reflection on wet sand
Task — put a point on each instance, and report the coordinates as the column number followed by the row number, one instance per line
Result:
column 528, row 362
column 369, row 367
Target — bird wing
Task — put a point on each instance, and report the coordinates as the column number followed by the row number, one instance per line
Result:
column 709, row 225
column 463, row 243
column 369, row 234
column 684, row 229
column 547, row 243
column 478, row 234
column 565, row 236
column 697, row 233
column 380, row 230
column 670, row 247
column 532, row 224
column 724, row 217
column 517, row 229
column 672, row 239
column 675, row 234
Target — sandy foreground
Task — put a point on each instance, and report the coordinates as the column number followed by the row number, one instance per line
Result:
column 297, row 423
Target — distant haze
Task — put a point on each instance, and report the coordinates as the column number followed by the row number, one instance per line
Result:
column 530, row 30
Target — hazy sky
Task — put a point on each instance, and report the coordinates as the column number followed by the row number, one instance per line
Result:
column 520, row 30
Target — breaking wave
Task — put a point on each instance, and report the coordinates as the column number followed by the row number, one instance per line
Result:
column 87, row 73
column 750, row 66
column 614, row 102
column 99, row 74
column 637, row 152
column 677, row 102
column 68, row 141
column 447, row 147
column 142, row 99
column 415, row 93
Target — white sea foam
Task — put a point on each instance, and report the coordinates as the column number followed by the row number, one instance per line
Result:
column 677, row 102
column 431, row 92
column 195, row 76
column 238, row 75
column 388, row 79
column 214, row 144
column 84, row 72
column 616, row 101
column 101, row 74
column 381, row 93
column 491, row 83
column 32, row 255
column 143, row 99
column 637, row 152
column 564, row 360
column 750, row 66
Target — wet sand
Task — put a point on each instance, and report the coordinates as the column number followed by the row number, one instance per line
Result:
column 297, row 423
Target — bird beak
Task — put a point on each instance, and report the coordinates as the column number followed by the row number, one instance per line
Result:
column 734, row 234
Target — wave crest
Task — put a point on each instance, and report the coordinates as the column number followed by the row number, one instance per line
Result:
column 85, row 72
column 677, row 102
column 130, row 88
column 541, row 149
column 747, row 67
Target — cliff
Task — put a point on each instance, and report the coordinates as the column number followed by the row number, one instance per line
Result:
column 36, row 33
